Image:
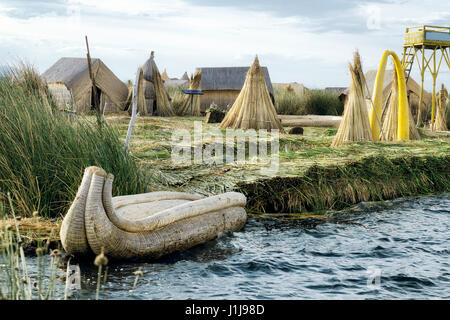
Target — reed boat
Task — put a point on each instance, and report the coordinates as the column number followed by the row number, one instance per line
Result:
column 146, row 225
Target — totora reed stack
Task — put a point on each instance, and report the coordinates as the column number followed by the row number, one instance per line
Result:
column 355, row 125
column 185, row 108
column 390, row 120
column 155, row 94
column 253, row 108
column 441, row 114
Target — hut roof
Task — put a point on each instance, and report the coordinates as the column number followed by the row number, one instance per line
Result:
column 185, row 76
column 412, row 85
column 74, row 73
column 175, row 83
column 228, row 78
column 67, row 70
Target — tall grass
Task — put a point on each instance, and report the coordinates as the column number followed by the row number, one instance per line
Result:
column 43, row 154
column 289, row 101
column 319, row 102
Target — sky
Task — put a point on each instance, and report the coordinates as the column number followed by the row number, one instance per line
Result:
column 309, row 42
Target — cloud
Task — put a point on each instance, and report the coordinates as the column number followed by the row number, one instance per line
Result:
column 309, row 42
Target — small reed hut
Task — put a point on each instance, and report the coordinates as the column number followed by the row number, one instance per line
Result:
column 185, row 77
column 253, row 108
column 221, row 86
column 70, row 84
column 355, row 125
column 153, row 98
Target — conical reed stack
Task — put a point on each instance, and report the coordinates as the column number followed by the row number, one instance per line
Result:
column 390, row 121
column 253, row 108
column 355, row 125
column 185, row 108
column 441, row 114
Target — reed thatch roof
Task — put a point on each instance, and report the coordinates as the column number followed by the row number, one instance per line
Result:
column 228, row 78
column 185, row 76
column 412, row 85
column 176, row 83
column 74, row 74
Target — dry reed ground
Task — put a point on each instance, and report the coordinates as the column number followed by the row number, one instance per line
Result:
column 301, row 160
column 151, row 144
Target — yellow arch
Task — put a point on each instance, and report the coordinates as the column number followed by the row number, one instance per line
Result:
column 377, row 98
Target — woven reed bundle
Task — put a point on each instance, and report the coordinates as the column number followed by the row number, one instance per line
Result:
column 390, row 120
column 194, row 84
column 164, row 75
column 441, row 112
column 253, row 108
column 355, row 125
column 146, row 225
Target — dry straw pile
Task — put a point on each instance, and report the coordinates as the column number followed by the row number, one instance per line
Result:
column 441, row 116
column 253, row 108
column 390, row 119
column 194, row 84
column 355, row 125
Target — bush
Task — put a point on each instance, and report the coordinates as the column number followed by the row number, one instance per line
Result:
column 319, row 102
column 323, row 102
column 289, row 102
column 43, row 153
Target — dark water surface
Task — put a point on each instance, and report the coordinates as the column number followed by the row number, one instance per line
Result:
column 392, row 250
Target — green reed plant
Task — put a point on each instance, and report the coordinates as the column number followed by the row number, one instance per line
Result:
column 43, row 153
column 323, row 102
column 319, row 102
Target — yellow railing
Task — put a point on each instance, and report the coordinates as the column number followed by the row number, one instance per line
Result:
column 417, row 35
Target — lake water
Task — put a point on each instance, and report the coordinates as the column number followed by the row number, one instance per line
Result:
column 392, row 250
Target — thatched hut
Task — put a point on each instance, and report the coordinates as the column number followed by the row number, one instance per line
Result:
column 185, row 77
column 412, row 87
column 223, row 85
column 70, row 84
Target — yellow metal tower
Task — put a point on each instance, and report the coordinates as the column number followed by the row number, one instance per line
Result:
column 418, row 41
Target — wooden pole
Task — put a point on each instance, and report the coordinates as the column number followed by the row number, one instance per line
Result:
column 91, row 75
column 133, row 110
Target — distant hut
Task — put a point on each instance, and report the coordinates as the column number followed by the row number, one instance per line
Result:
column 185, row 76
column 70, row 84
column 223, row 85
column 412, row 87
column 153, row 98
